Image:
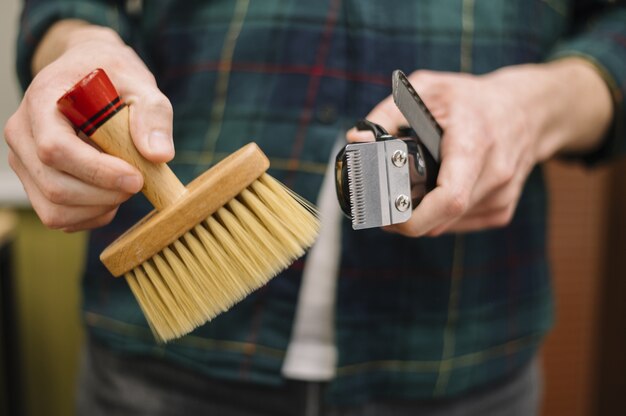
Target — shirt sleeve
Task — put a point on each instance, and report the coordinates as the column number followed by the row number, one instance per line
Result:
column 601, row 41
column 38, row 15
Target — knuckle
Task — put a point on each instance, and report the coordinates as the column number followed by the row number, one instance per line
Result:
column 411, row 232
column 159, row 104
column 147, row 75
column 124, row 64
column 504, row 172
column 52, row 219
column 418, row 77
column 506, row 199
column 120, row 197
column 104, row 219
column 109, row 32
column 408, row 230
column 55, row 193
column 104, row 31
column 11, row 130
column 509, row 214
column 503, row 218
column 95, row 174
column 12, row 160
column 458, row 203
column 49, row 151
column 431, row 83
column 435, row 232
column 91, row 224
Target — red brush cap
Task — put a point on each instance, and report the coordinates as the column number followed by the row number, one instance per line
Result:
column 91, row 102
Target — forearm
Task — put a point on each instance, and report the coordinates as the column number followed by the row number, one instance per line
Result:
column 63, row 35
column 567, row 104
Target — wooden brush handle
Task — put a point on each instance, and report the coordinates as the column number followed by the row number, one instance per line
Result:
column 160, row 184
column 94, row 107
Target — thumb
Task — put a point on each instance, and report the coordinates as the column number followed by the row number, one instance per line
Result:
column 151, row 118
column 385, row 114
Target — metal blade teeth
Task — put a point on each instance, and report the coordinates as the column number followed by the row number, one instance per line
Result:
column 356, row 186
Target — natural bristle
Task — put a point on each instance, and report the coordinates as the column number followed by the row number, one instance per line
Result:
column 220, row 261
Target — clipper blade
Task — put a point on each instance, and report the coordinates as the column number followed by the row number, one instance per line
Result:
column 379, row 185
column 356, row 187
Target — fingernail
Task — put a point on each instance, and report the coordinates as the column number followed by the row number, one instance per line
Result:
column 355, row 135
column 129, row 183
column 160, row 142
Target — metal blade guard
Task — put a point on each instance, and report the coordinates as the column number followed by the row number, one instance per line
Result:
column 379, row 183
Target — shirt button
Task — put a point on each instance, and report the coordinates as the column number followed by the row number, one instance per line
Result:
column 327, row 114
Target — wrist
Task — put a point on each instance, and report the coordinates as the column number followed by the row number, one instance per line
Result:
column 567, row 104
column 66, row 34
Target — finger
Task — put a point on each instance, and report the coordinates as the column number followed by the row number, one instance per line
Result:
column 359, row 136
column 433, row 89
column 499, row 198
column 385, row 114
column 151, row 112
column 495, row 210
column 151, row 118
column 63, row 189
column 440, row 206
column 57, row 146
column 498, row 195
column 97, row 222
column 487, row 220
column 462, row 162
column 505, row 170
column 53, row 215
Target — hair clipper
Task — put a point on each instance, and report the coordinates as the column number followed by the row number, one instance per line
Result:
column 379, row 183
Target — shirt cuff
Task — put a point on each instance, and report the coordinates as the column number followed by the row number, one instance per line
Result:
column 39, row 16
column 602, row 46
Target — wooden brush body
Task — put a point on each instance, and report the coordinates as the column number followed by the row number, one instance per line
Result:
column 178, row 208
column 206, row 245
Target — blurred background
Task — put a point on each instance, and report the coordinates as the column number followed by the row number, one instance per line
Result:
column 40, row 332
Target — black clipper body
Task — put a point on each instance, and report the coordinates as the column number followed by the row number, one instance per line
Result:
column 379, row 183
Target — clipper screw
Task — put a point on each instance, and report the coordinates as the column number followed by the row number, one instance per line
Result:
column 402, row 203
column 399, row 158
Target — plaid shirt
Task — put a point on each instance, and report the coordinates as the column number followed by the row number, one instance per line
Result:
column 415, row 318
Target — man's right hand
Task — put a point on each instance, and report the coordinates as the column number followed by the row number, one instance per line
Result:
column 71, row 185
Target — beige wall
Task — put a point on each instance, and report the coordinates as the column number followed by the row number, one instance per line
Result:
column 47, row 269
column 10, row 190
column 8, row 82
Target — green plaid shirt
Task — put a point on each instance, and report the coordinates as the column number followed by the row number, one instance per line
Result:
column 415, row 318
